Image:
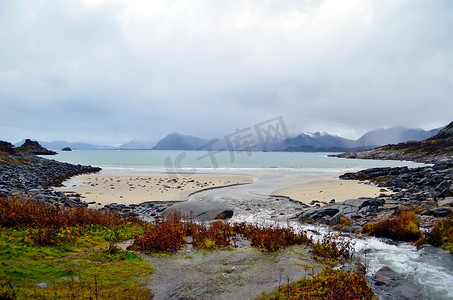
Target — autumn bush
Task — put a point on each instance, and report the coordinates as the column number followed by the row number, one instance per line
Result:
column 403, row 227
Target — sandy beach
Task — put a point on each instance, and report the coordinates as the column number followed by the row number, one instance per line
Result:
column 138, row 188
column 326, row 190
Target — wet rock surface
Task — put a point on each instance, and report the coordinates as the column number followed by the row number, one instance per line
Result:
column 200, row 210
column 243, row 273
column 389, row 284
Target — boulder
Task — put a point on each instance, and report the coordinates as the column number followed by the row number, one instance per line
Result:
column 446, row 202
column 201, row 210
column 388, row 284
column 7, row 147
column 443, row 211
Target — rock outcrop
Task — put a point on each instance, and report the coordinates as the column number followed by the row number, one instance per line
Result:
column 33, row 147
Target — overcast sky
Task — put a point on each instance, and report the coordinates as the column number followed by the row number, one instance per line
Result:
column 110, row 71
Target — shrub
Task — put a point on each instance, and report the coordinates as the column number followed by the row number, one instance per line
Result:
column 403, row 227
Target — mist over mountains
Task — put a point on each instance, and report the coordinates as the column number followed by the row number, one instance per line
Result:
column 304, row 142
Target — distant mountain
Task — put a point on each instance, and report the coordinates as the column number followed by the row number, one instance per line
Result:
column 57, row 145
column 394, row 135
column 137, row 144
column 314, row 142
column 176, row 141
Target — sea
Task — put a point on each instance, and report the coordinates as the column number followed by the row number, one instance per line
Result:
column 218, row 161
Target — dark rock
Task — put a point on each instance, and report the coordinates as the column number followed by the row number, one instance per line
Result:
column 442, row 211
column 443, row 185
column 445, row 193
column 388, row 284
column 7, row 147
column 66, row 149
column 336, row 219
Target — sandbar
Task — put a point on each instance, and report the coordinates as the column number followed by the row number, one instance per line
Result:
column 326, row 190
column 138, row 188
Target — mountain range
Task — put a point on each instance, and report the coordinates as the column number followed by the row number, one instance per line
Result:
column 304, row 142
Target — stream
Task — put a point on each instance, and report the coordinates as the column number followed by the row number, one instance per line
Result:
column 427, row 270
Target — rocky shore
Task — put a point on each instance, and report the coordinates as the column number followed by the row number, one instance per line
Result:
column 426, row 189
column 28, row 174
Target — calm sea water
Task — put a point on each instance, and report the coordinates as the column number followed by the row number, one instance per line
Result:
column 162, row 161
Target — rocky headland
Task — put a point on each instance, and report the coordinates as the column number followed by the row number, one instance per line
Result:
column 427, row 190
column 24, row 173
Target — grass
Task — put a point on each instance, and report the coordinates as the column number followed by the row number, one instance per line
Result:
column 329, row 284
column 70, row 254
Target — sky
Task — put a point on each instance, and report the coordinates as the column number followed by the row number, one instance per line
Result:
column 110, row 71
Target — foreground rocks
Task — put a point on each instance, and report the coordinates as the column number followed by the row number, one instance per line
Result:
column 426, row 189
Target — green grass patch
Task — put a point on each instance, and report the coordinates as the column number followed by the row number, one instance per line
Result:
column 86, row 267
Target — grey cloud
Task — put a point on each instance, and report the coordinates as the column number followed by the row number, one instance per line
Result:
column 116, row 70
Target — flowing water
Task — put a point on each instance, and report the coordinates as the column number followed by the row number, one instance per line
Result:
column 431, row 271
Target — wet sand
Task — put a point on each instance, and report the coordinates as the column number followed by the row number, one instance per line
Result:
column 326, row 190
column 139, row 188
